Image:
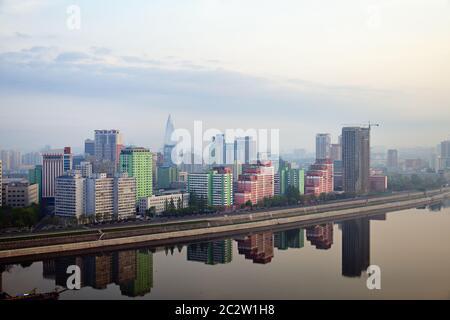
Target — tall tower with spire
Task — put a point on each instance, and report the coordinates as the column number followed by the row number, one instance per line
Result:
column 169, row 144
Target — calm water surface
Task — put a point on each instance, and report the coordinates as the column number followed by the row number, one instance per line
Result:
column 329, row 261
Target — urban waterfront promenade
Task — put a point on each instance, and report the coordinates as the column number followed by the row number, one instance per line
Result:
column 208, row 228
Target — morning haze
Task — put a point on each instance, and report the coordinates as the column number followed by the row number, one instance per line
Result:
column 316, row 67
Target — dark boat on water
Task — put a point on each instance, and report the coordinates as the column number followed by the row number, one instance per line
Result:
column 31, row 296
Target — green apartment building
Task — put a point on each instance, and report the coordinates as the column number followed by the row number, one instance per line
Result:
column 216, row 186
column 291, row 177
column 137, row 162
column 166, row 177
column 35, row 177
column 296, row 178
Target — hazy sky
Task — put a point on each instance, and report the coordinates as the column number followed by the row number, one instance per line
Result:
column 300, row 66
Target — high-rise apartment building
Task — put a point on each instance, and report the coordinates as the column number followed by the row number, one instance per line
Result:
column 89, row 147
column 216, row 186
column 296, row 179
column 218, row 152
column 12, row 159
column 108, row 145
column 286, row 176
column 243, row 150
column 70, row 195
column 32, row 159
column 167, row 176
column 35, row 177
column 137, row 162
column 392, row 159
column 323, row 146
column 68, row 159
column 445, row 155
column 336, row 152
column 100, row 197
column 338, row 179
column 54, row 164
column 356, row 159
column 124, row 196
column 255, row 183
column 86, row 169
column 319, row 178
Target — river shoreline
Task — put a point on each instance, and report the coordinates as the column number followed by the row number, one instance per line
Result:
column 219, row 226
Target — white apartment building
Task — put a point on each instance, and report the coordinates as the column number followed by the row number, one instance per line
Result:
column 100, row 197
column 70, row 196
column 85, row 167
column 124, row 196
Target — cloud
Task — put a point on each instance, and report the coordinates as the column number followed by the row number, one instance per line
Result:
column 72, row 57
column 101, row 50
column 20, row 7
column 221, row 98
column 140, row 61
column 99, row 73
column 22, row 35
column 141, row 85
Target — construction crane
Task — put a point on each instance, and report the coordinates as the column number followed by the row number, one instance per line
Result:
column 368, row 124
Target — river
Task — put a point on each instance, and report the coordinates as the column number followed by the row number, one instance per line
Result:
column 411, row 248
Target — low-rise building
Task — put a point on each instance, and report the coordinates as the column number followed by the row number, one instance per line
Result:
column 378, row 183
column 160, row 202
column 19, row 193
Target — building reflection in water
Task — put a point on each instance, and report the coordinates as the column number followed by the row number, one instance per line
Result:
column 294, row 239
column 320, row 236
column 131, row 270
column 212, row 253
column 355, row 247
column 171, row 249
column 257, row 247
column 2, row 268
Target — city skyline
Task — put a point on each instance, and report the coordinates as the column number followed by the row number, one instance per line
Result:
column 79, row 146
column 351, row 62
column 220, row 150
